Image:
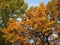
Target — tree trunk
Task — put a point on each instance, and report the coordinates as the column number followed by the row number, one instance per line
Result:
column 47, row 41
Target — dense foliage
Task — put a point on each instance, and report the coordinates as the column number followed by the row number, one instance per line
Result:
column 39, row 26
column 11, row 9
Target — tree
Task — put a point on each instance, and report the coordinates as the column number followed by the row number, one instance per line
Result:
column 11, row 9
column 34, row 24
column 39, row 22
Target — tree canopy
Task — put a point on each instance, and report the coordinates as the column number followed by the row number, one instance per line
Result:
column 40, row 25
column 11, row 9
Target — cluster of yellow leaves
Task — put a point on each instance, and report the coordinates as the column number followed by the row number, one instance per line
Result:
column 29, row 22
column 13, row 31
column 41, row 9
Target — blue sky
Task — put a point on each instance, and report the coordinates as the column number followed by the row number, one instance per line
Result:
column 35, row 2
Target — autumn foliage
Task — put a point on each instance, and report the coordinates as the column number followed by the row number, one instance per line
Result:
column 34, row 24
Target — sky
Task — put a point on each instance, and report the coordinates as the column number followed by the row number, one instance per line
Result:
column 35, row 2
